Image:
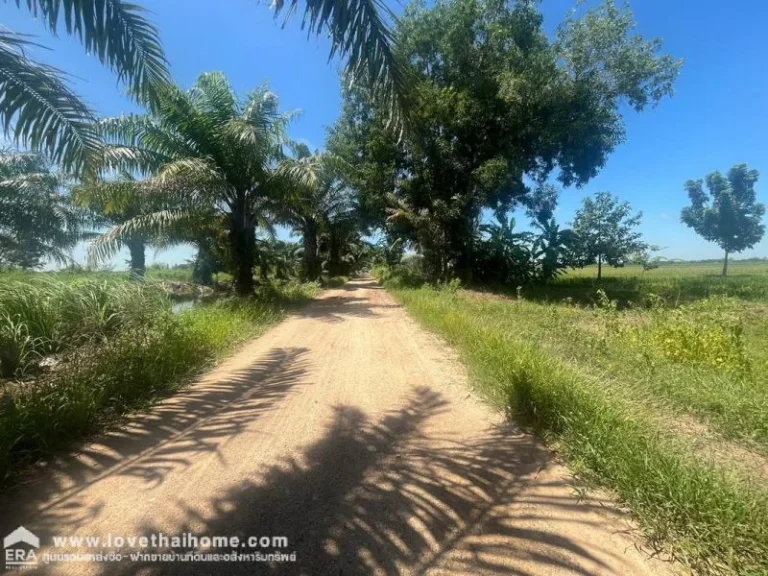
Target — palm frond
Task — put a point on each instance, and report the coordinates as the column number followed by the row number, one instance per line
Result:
column 156, row 224
column 118, row 33
column 194, row 172
column 40, row 111
column 360, row 31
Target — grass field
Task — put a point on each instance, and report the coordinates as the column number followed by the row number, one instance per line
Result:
column 675, row 283
column 661, row 396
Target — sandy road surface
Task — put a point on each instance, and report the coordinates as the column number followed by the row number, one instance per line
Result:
column 351, row 432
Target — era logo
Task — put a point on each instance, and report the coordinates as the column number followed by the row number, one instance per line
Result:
column 20, row 546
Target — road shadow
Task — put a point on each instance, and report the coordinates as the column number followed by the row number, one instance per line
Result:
column 151, row 444
column 388, row 498
column 351, row 303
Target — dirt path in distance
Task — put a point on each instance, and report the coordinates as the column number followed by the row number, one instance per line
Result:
column 350, row 431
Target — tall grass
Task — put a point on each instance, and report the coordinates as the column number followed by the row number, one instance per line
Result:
column 37, row 319
column 125, row 350
column 708, row 517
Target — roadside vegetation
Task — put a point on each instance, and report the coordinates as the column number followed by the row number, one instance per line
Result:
column 662, row 402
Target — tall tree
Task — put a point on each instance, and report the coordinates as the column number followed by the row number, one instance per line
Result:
column 497, row 104
column 606, row 232
column 315, row 202
column 37, row 106
column 728, row 212
column 215, row 153
column 116, row 202
column 38, row 220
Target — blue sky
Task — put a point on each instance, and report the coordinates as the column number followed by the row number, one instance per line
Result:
column 716, row 119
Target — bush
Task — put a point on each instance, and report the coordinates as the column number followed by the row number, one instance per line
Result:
column 409, row 273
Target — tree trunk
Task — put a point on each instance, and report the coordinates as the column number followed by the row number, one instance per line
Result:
column 138, row 261
column 725, row 264
column 243, row 238
column 310, row 268
column 335, row 267
column 599, row 266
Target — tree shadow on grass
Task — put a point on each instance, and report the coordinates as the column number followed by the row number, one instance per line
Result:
column 151, row 444
column 388, row 498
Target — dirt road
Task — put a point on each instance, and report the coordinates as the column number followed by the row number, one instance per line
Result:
column 348, row 430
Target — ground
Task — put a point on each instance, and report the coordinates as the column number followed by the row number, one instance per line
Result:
column 350, row 431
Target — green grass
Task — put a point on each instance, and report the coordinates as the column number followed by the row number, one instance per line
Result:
column 675, row 283
column 606, row 385
column 147, row 353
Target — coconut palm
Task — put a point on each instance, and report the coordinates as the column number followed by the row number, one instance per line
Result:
column 316, row 199
column 38, row 108
column 213, row 153
column 38, row 222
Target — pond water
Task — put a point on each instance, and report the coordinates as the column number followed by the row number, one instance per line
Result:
column 180, row 306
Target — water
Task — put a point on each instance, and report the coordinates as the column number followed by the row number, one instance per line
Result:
column 183, row 305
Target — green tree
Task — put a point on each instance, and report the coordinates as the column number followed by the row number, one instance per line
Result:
column 728, row 212
column 117, row 202
column 38, row 108
column 315, row 203
column 497, row 103
column 605, row 232
column 551, row 249
column 361, row 32
column 216, row 156
column 38, row 220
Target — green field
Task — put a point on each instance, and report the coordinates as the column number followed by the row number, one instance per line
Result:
column 656, row 387
column 675, row 283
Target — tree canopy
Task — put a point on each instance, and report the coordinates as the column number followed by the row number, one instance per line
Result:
column 38, row 220
column 727, row 213
column 497, row 104
column 605, row 230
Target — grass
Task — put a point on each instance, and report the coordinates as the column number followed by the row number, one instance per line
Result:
column 126, row 350
column 674, row 283
column 609, row 384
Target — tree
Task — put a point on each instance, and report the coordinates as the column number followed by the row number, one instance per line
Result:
column 315, row 203
column 38, row 221
column 214, row 154
column 552, row 248
column 117, row 202
column 38, row 108
column 47, row 115
column 605, row 232
column 728, row 212
column 497, row 104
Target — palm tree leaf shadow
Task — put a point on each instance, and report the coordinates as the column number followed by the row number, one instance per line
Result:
column 388, row 498
column 150, row 445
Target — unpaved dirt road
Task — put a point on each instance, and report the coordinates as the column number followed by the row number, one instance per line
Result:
column 348, row 430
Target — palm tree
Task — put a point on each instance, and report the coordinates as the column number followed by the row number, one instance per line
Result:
column 117, row 202
column 341, row 244
column 214, row 153
column 37, row 221
column 38, row 108
column 316, row 200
